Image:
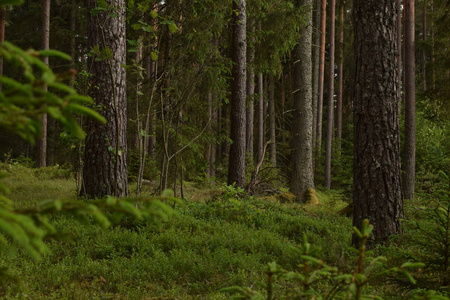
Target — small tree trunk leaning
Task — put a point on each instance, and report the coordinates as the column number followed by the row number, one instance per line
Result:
column 410, row 103
column 330, row 103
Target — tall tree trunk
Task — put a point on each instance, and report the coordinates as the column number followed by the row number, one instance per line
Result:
column 260, row 147
column 424, row 52
column 42, row 142
column 340, row 78
column 377, row 175
column 272, row 122
column 399, row 46
column 316, row 63
column 433, row 72
column 410, row 103
column 330, row 103
column 105, row 167
column 250, row 96
column 323, row 23
column 302, row 142
column 211, row 155
column 236, row 170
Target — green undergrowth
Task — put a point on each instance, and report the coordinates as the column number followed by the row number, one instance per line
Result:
column 220, row 237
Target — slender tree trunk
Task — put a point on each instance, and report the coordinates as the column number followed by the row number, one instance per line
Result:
column 236, row 170
column 377, row 175
column 340, row 78
column 433, row 72
column 42, row 142
column 323, row 23
column 316, row 47
column 272, row 121
column 399, row 53
column 330, row 103
column 105, row 167
column 283, row 108
column 250, row 96
column 302, row 142
column 211, row 155
column 260, row 117
column 410, row 102
column 424, row 52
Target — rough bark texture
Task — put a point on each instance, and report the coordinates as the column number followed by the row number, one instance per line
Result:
column 410, row 103
column 236, row 170
column 250, row 97
column 105, row 166
column 424, row 38
column 42, row 142
column 323, row 23
column 340, row 78
column 377, row 179
column 399, row 47
column 272, row 121
column 316, row 47
column 302, row 140
column 259, row 149
column 330, row 102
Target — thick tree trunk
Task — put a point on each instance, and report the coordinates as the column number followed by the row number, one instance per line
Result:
column 316, row 47
column 272, row 122
column 410, row 103
column 302, row 141
column 250, row 97
column 399, row 46
column 330, row 102
column 377, row 175
column 259, row 152
column 2, row 35
column 323, row 23
column 340, row 78
column 236, row 170
column 105, row 166
column 42, row 142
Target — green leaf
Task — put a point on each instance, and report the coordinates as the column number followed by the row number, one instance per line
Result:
column 154, row 55
column 154, row 14
column 10, row 2
column 413, row 265
column 173, row 28
column 55, row 53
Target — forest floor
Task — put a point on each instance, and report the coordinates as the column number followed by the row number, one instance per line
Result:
column 219, row 237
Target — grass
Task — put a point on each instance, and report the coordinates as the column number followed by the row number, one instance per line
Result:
column 215, row 241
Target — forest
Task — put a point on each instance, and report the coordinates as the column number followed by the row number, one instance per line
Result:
column 232, row 149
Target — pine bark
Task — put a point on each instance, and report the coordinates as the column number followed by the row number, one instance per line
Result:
column 105, row 165
column 42, row 142
column 410, row 103
column 302, row 142
column 259, row 152
column 340, row 79
column 272, row 122
column 316, row 64
column 330, row 102
column 323, row 23
column 236, row 169
column 377, row 175
column 250, row 97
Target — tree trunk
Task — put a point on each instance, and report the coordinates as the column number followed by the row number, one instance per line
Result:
column 424, row 52
column 105, row 166
column 236, row 170
column 250, row 95
column 272, row 121
column 330, row 103
column 340, row 78
column 410, row 103
column 433, row 72
column 302, row 141
column 323, row 22
column 2, row 36
column 399, row 46
column 42, row 142
column 260, row 117
column 211, row 155
column 377, row 175
column 317, row 52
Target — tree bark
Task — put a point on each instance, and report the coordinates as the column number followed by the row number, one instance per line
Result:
column 410, row 103
column 2, row 35
column 236, row 169
column 330, row 102
column 42, row 142
column 323, row 23
column 302, row 142
column 105, row 166
column 317, row 52
column 433, row 71
column 250, row 95
column 399, row 46
column 377, row 175
column 272, row 122
column 260, row 117
column 340, row 78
